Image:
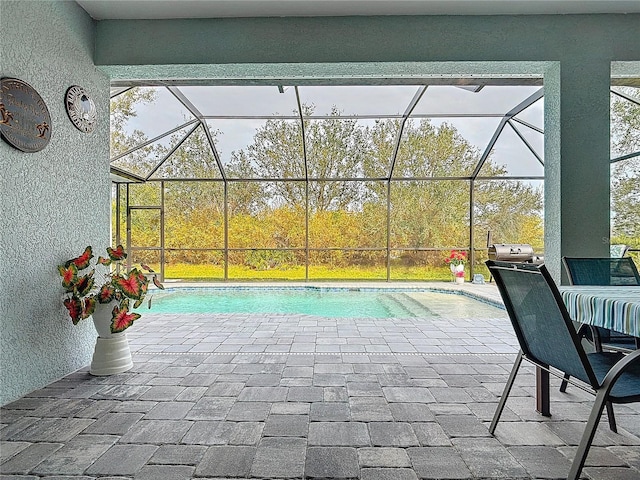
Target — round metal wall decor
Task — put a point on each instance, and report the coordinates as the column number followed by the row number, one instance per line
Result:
column 80, row 108
column 25, row 122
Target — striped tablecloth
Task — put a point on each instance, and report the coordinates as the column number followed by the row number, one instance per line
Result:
column 615, row 308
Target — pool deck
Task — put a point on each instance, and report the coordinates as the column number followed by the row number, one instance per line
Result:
column 300, row 333
column 300, row 397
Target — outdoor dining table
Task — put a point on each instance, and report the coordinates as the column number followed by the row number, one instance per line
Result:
column 611, row 307
column 614, row 308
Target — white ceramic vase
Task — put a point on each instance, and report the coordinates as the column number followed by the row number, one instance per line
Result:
column 111, row 354
column 102, row 319
column 458, row 273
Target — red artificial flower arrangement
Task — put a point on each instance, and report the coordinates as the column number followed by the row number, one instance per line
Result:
column 457, row 257
column 82, row 294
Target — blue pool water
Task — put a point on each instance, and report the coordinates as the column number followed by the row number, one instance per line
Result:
column 311, row 301
column 332, row 302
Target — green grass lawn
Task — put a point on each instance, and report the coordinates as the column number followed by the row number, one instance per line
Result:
column 190, row 272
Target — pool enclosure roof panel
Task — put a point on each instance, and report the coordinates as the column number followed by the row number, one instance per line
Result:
column 294, row 132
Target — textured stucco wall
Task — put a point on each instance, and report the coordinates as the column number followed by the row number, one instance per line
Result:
column 552, row 169
column 54, row 202
column 458, row 38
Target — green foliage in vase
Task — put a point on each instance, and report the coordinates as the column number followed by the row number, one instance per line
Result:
column 88, row 284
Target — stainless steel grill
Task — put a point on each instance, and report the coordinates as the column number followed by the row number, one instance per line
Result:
column 513, row 252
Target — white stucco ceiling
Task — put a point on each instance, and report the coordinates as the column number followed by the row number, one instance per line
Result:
column 163, row 9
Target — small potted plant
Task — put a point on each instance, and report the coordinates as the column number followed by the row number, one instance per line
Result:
column 456, row 261
column 89, row 285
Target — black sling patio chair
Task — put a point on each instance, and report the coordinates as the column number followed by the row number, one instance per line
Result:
column 604, row 272
column 548, row 339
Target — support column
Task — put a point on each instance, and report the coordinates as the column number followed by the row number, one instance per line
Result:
column 577, row 168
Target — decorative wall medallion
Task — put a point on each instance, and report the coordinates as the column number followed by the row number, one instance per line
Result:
column 25, row 122
column 80, row 108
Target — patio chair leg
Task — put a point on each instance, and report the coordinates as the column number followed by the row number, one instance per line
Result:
column 597, row 341
column 564, row 383
column 505, row 393
column 587, row 436
column 611, row 417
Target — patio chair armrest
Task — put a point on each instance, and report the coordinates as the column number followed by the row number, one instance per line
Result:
column 619, row 368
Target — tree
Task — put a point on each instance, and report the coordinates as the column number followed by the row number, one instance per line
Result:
column 435, row 213
column 245, row 197
column 123, row 109
column 625, row 175
column 192, row 159
column 335, row 148
column 430, row 212
column 511, row 210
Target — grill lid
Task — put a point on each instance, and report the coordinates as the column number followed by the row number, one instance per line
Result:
column 513, row 252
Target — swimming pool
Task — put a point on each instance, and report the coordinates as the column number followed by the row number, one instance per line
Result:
column 319, row 301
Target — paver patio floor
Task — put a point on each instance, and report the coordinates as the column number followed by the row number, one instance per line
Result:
column 294, row 396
